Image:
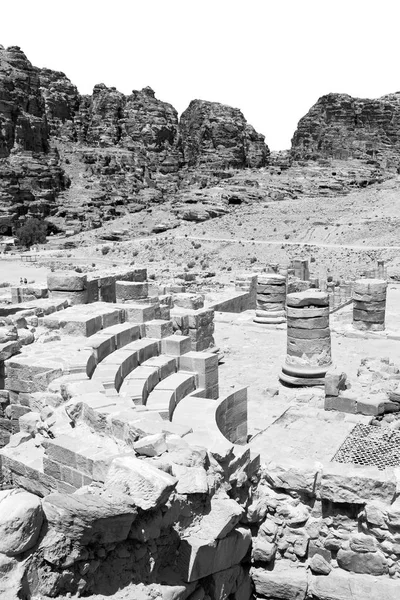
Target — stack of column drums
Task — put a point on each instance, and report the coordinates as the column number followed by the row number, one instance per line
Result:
column 308, row 338
column 271, row 298
column 369, row 304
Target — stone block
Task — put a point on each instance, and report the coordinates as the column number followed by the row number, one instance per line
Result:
column 376, row 404
column 126, row 291
column 370, row 563
column 175, row 345
column 345, row 402
column 311, row 323
column 159, row 328
column 341, row 585
column 144, row 485
column 20, row 521
column 370, row 286
column 376, row 316
column 73, row 298
column 68, row 281
column 191, row 480
column 335, row 382
column 307, row 298
column 356, row 485
column 198, row 559
column 280, row 583
column 139, row 313
column 193, row 301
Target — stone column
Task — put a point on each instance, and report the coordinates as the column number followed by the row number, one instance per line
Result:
column 308, row 338
column 271, row 298
column 369, row 304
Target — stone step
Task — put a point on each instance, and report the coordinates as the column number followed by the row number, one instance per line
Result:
column 140, row 382
column 169, row 392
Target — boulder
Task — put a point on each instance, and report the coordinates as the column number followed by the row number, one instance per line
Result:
column 21, row 518
column 139, row 483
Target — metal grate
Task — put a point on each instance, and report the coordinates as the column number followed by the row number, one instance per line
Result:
column 368, row 445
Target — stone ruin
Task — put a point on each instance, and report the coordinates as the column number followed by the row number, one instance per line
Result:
column 125, row 470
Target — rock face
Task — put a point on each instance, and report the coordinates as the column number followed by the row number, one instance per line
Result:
column 339, row 126
column 218, row 136
column 30, row 175
column 80, row 158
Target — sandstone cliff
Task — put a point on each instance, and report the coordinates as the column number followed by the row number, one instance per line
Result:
column 219, row 136
column 339, row 126
column 30, row 175
column 79, row 158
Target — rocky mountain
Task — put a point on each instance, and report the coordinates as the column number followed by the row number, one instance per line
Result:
column 30, row 173
column 75, row 157
column 339, row 126
column 219, row 136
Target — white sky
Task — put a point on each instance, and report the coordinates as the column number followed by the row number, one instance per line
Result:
column 271, row 58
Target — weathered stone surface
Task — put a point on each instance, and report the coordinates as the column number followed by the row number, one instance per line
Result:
column 217, row 135
column 319, row 565
column 339, row 585
column 21, row 518
column 363, row 543
column 281, row 583
column 67, row 281
column 151, row 445
column 307, row 298
column 191, row 480
column 356, row 485
column 370, row 563
column 198, row 558
column 139, row 483
column 339, row 126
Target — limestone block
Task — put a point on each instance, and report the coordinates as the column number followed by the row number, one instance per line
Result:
column 299, row 347
column 90, row 518
column 267, row 289
column 375, row 514
column 263, row 551
column 264, row 300
column 357, row 297
column 21, row 518
column 376, row 404
column 376, row 316
column 28, row 423
column 8, row 349
column 271, row 279
column 370, row 286
column 364, row 326
column 344, row 402
column 356, row 485
column 130, row 290
column 371, row 563
column 282, row 583
column 193, row 301
column 72, row 297
column 309, row 297
column 335, row 381
column 312, row 323
column 176, row 345
column 197, row 558
column 224, row 515
column 309, row 334
column 68, row 281
column 307, row 312
column 139, row 313
column 142, row 484
column 372, row 306
column 340, row 585
column 158, row 328
column 151, row 445
column 191, row 480
column 232, row 583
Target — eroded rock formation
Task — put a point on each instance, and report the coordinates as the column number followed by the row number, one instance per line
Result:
column 340, row 126
column 218, row 136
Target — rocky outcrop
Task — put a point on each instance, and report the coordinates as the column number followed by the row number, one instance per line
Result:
column 30, row 175
column 339, row 126
column 218, row 136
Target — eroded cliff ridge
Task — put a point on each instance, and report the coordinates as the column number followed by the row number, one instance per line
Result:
column 339, row 126
column 87, row 158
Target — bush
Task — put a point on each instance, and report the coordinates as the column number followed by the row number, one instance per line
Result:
column 105, row 250
column 32, row 232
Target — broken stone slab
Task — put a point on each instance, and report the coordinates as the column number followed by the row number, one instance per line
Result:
column 151, row 445
column 89, row 517
column 298, row 476
column 21, row 518
column 335, row 381
column 191, row 480
column 198, row 558
column 356, row 485
column 224, row 515
column 139, row 483
column 282, row 583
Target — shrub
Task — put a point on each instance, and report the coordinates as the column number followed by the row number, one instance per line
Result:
column 32, row 232
column 105, row 250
